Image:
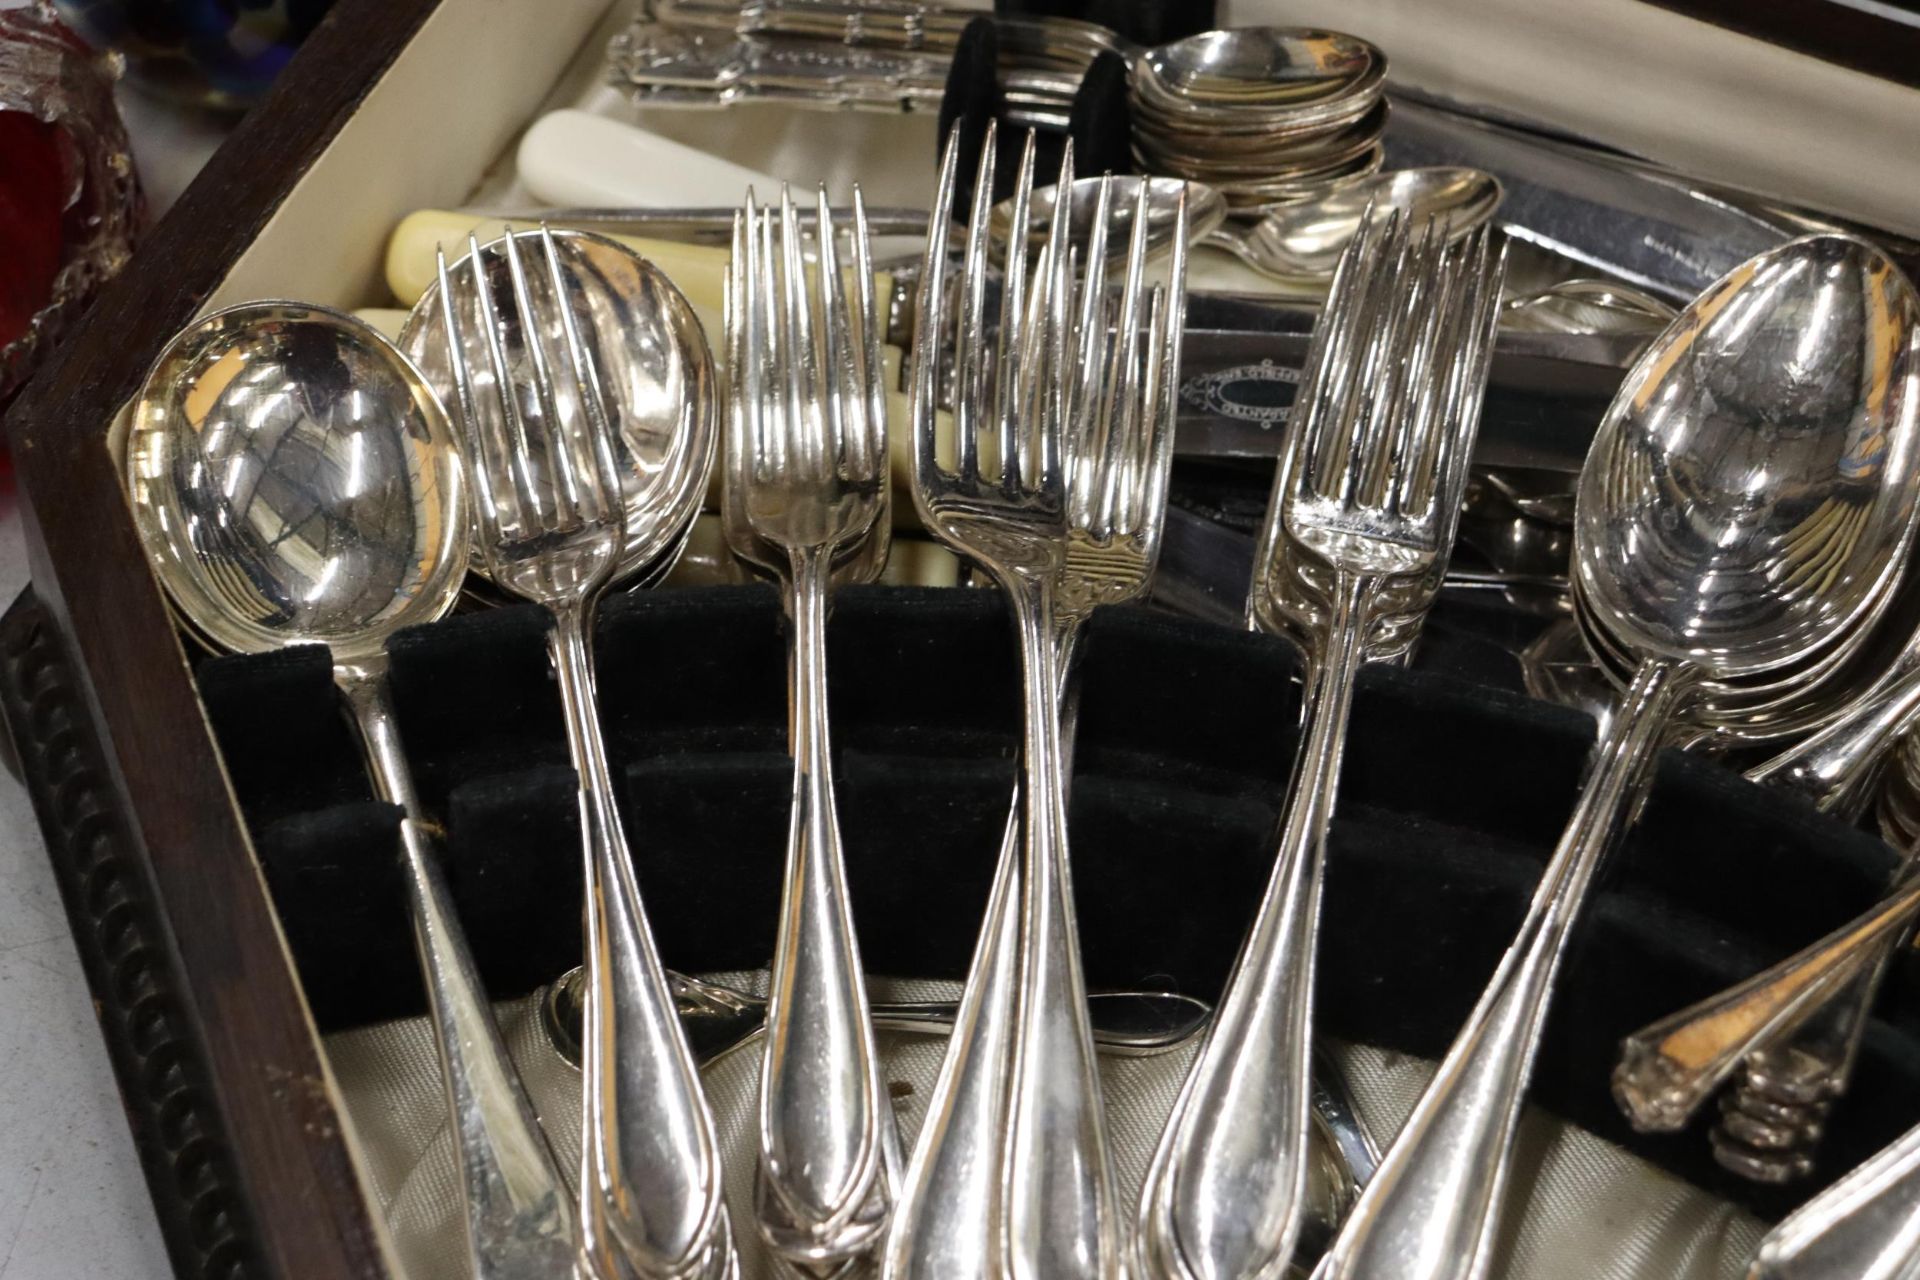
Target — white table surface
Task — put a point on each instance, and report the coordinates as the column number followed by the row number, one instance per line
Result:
column 73, row 1199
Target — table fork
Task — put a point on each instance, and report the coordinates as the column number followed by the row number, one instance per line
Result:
column 806, row 481
column 1367, row 499
column 551, row 530
column 1063, row 438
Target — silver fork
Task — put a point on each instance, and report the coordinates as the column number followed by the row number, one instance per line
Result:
column 551, row 528
column 807, row 481
column 1072, row 415
column 1366, row 500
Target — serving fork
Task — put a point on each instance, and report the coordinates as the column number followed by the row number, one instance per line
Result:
column 1062, row 439
column 807, row 485
column 551, row 529
column 1364, row 508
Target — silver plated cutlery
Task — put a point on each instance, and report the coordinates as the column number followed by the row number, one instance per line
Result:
column 295, row 481
column 553, row 529
column 1055, row 484
column 1358, row 531
column 806, row 483
column 1779, row 416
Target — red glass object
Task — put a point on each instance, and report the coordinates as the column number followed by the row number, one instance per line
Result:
column 33, row 199
column 69, row 199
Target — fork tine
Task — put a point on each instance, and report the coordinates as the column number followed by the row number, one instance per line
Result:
column 1041, row 448
column 466, row 412
column 928, row 330
column 519, row 455
column 1426, row 386
column 747, row 343
column 1119, row 415
column 799, row 364
column 603, row 437
column 970, row 407
column 1093, row 303
column 842, row 374
column 1419, row 276
column 1009, row 378
column 871, row 384
column 1344, row 454
column 740, row 387
column 1163, row 380
column 1480, row 317
column 776, row 434
column 1134, row 425
column 1327, row 368
column 1364, row 416
column 563, row 484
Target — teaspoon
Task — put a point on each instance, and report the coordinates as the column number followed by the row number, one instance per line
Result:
column 295, row 482
column 1704, row 539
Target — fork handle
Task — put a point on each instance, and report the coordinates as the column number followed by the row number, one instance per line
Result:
column 946, row 1224
column 649, row 1170
column 1060, row 1220
column 821, row 1130
column 1228, row 1187
column 1668, row 1068
column 519, row 1222
column 1431, row 1210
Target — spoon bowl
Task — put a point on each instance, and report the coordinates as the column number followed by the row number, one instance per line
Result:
column 658, row 384
column 1206, row 210
column 1261, row 68
column 1304, row 241
column 1751, row 493
column 294, row 481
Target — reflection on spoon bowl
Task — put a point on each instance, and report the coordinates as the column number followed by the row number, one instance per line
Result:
column 658, row 382
column 1206, row 210
column 1303, row 242
column 295, row 482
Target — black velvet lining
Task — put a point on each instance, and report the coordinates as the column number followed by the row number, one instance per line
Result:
column 1454, row 792
column 1099, row 122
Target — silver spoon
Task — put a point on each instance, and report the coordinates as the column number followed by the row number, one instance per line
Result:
column 1206, row 210
column 1787, row 394
column 720, row 1018
column 295, row 482
column 1586, row 304
column 663, row 397
column 1301, row 243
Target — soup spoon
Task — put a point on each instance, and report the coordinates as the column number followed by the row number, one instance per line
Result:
column 295, row 482
column 1788, row 391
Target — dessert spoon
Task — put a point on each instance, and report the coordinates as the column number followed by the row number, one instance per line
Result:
column 1749, row 495
column 295, row 482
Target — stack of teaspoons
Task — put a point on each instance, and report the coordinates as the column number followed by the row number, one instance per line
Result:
column 1060, row 452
